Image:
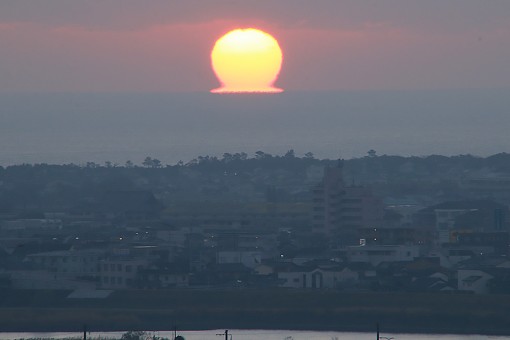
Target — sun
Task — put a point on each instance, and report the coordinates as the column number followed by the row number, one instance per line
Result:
column 247, row 60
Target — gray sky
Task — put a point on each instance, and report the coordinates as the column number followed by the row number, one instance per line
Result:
column 164, row 46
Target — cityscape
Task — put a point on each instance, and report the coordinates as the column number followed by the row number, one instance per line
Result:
column 247, row 169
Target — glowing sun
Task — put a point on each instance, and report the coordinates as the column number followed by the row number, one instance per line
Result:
column 246, row 60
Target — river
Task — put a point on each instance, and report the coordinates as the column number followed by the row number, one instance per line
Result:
column 258, row 334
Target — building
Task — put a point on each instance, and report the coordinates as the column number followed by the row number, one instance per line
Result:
column 120, row 272
column 318, row 278
column 475, row 281
column 78, row 263
column 342, row 211
column 375, row 254
column 250, row 259
column 450, row 219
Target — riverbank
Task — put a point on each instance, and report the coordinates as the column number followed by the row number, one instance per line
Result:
column 255, row 309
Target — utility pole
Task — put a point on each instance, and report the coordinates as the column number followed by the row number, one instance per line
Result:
column 377, row 331
column 226, row 334
column 84, row 332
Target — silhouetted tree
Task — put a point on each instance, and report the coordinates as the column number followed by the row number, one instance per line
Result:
column 156, row 163
column 227, row 157
column 150, row 162
column 290, row 154
column 147, row 162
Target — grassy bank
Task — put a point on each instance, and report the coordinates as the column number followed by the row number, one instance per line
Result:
column 257, row 309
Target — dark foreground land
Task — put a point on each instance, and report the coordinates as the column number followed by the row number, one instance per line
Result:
column 255, row 309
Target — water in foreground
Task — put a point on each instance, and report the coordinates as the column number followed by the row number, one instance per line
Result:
column 259, row 334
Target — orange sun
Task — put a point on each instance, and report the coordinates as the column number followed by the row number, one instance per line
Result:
column 246, row 60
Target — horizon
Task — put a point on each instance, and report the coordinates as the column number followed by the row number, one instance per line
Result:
column 75, row 128
column 356, row 76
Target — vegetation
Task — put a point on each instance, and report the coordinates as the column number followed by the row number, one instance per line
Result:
column 239, row 178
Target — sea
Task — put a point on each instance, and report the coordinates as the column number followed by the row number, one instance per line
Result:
column 62, row 128
column 257, row 334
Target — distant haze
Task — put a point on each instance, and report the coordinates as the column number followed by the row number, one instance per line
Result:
column 63, row 128
column 164, row 46
column 358, row 75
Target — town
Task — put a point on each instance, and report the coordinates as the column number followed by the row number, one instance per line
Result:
column 431, row 224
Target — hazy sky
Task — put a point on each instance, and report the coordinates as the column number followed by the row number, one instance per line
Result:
column 164, row 46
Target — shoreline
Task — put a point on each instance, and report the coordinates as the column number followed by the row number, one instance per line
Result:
column 52, row 311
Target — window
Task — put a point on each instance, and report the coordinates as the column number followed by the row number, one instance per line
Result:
column 128, row 268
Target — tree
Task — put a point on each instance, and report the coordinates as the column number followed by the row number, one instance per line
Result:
column 147, row 162
column 135, row 335
column 372, row 153
column 309, row 155
column 227, row 157
column 193, row 162
column 260, row 155
column 290, row 154
column 91, row 165
column 150, row 162
column 129, row 164
column 156, row 163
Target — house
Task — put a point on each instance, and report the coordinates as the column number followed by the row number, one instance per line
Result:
column 318, row 278
column 474, row 281
column 484, row 274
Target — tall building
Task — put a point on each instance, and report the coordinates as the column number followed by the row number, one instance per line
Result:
column 340, row 211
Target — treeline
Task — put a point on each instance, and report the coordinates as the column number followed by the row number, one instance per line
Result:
column 376, row 166
column 242, row 178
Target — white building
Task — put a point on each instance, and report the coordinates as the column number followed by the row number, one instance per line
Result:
column 472, row 280
column 70, row 262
